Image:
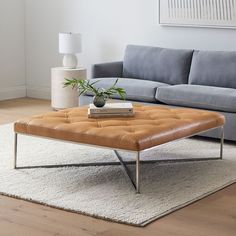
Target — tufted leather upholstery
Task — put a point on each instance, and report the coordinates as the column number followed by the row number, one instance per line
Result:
column 151, row 126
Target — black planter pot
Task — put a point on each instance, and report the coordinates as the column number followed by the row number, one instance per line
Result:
column 99, row 101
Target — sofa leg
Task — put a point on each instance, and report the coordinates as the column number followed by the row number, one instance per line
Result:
column 15, row 150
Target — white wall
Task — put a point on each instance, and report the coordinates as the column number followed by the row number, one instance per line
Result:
column 12, row 56
column 43, row 20
column 107, row 27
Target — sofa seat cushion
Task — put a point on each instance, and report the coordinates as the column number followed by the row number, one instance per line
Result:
column 213, row 68
column 198, row 96
column 170, row 66
column 136, row 90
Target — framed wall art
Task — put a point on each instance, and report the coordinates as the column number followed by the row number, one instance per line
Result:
column 198, row 13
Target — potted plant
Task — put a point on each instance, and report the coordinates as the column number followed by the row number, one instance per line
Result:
column 100, row 94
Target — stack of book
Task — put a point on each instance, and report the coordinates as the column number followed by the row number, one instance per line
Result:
column 111, row 110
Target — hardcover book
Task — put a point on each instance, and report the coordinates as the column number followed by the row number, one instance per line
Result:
column 110, row 115
column 112, row 108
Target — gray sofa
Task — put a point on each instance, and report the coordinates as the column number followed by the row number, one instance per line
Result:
column 182, row 78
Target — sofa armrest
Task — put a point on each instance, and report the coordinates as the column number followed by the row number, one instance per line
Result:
column 111, row 69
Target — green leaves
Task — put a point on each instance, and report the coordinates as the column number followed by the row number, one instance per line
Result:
column 71, row 82
column 85, row 86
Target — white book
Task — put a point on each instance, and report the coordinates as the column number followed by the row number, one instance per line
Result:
column 125, row 107
column 111, row 112
column 110, row 115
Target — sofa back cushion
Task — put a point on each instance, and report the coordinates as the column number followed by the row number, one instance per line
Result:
column 213, row 68
column 164, row 65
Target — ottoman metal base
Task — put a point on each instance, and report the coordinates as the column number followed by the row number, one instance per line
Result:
column 124, row 164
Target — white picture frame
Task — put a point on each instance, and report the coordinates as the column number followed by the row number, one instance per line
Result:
column 198, row 13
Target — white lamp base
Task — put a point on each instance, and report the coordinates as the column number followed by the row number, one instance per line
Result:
column 70, row 61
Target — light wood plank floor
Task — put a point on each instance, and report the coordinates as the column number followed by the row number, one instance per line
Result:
column 214, row 215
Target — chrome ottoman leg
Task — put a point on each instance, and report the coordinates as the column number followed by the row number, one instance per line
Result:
column 138, row 173
column 136, row 182
column 15, row 150
column 222, row 142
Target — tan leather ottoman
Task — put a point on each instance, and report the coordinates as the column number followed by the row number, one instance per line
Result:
column 150, row 127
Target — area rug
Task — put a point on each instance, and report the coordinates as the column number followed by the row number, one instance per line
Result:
column 105, row 192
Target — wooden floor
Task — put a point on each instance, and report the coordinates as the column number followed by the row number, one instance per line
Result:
column 214, row 215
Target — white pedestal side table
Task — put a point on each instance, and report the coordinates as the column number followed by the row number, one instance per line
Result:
column 61, row 97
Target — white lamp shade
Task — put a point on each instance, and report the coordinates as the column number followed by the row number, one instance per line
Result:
column 70, row 43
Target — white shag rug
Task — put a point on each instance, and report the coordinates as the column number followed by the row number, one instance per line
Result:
column 105, row 192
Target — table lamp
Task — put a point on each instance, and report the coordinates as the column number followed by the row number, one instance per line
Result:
column 69, row 45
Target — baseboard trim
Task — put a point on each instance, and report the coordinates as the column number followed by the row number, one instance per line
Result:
column 38, row 92
column 12, row 92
